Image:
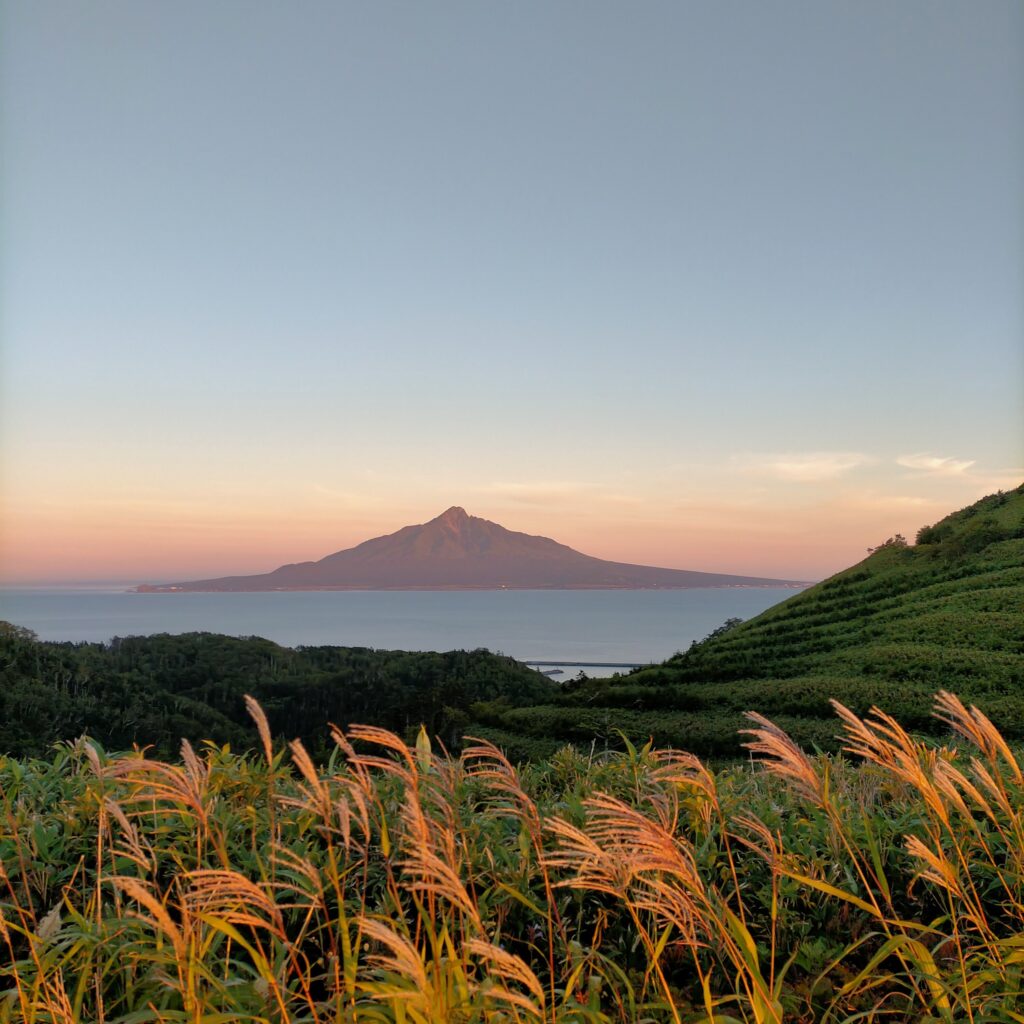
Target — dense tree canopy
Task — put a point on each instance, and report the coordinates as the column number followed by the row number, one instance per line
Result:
column 159, row 689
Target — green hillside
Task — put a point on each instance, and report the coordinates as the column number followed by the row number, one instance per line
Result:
column 156, row 690
column 944, row 613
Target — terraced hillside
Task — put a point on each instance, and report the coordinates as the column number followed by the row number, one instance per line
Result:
column 944, row 613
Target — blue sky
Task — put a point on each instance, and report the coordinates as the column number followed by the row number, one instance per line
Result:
column 731, row 286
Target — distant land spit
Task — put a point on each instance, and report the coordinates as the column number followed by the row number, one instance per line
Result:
column 457, row 551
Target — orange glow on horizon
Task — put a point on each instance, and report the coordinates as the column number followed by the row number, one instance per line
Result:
column 57, row 544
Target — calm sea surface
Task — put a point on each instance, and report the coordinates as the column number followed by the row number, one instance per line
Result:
column 545, row 625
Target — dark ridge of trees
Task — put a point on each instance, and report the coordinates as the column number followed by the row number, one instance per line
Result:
column 156, row 690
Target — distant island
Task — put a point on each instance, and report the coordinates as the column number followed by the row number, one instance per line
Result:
column 457, row 551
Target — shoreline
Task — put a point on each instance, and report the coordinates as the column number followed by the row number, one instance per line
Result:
column 440, row 587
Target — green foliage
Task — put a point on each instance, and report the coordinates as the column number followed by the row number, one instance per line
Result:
column 896, row 541
column 718, row 631
column 160, row 689
column 392, row 884
column 889, row 631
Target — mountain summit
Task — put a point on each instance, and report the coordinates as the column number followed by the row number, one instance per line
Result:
column 459, row 551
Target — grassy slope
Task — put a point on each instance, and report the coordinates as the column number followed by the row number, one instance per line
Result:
column 946, row 613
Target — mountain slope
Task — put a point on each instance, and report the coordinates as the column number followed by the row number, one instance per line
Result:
column 457, row 550
column 946, row 613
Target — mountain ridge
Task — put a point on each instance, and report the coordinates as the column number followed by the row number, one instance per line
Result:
column 458, row 551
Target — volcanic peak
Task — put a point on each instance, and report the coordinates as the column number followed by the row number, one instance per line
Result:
column 455, row 518
column 456, row 550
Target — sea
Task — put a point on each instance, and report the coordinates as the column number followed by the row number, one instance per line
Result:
column 561, row 631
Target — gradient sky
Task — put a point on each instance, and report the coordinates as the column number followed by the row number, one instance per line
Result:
column 734, row 287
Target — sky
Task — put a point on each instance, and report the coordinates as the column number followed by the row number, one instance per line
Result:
column 733, row 287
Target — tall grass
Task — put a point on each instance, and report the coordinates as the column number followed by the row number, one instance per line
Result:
column 396, row 883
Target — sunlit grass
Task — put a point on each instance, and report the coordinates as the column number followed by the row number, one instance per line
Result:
column 395, row 883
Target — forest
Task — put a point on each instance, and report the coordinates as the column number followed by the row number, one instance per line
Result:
column 154, row 691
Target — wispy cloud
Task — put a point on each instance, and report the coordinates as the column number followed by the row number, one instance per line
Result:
column 875, row 500
column 935, row 465
column 805, row 467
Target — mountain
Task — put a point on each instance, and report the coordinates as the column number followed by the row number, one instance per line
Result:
column 459, row 551
column 907, row 621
